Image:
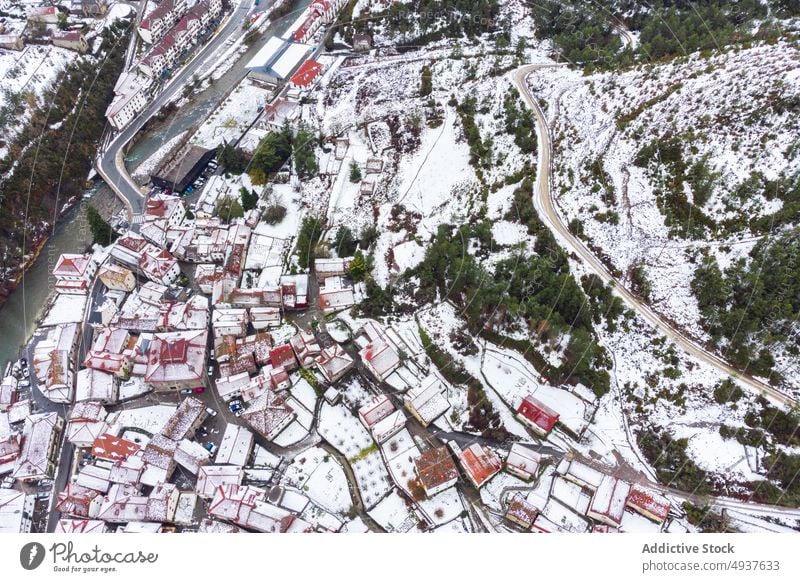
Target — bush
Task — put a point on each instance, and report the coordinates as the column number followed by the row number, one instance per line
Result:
column 727, row 391
column 355, row 172
column 274, row 214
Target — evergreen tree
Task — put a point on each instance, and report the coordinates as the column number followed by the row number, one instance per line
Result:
column 102, row 233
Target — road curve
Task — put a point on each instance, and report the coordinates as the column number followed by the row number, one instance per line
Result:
column 545, row 206
column 111, row 165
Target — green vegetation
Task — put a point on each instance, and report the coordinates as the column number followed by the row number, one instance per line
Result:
column 668, row 457
column 364, row 453
column 305, row 160
column 275, row 149
column 344, row 243
column 231, row 159
column 249, row 198
column 368, row 236
column 307, row 240
column 433, row 20
column 355, row 172
column 727, row 391
column 753, row 303
column 358, row 267
column 584, row 33
column 480, row 149
column 274, row 214
column 667, row 163
column 640, row 284
column 538, row 289
column 102, row 233
column 705, row 519
column 229, row 208
column 48, row 161
column 520, row 123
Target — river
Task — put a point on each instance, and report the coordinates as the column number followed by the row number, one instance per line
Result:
column 71, row 235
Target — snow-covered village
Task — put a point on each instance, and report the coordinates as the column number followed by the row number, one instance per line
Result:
column 399, row 266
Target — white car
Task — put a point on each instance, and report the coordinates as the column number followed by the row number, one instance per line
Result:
column 211, row 411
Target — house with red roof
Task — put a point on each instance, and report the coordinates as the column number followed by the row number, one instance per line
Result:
column 113, row 448
column 283, row 356
column 79, row 501
column 436, row 470
column 479, row 462
column 155, row 24
column 536, row 415
column 307, row 74
column 70, row 39
column 521, row 512
column 333, row 363
column 176, row 360
column 159, row 265
column 649, row 504
column 74, row 273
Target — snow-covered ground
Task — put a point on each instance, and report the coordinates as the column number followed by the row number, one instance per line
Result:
column 725, row 110
column 25, row 76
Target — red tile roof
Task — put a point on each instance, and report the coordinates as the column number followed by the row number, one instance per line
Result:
column 306, row 74
column 108, row 446
column 539, row 414
column 480, row 462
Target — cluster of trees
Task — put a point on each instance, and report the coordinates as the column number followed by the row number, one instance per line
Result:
column 47, row 163
column 231, row 159
column 426, row 82
column 753, row 303
column 585, row 33
column 307, row 240
column 480, row 149
column 538, row 289
column 666, row 160
column 786, row 188
column 673, row 466
column 102, row 233
column 520, row 123
column 277, row 147
column 433, row 20
column 229, row 208
column 249, row 198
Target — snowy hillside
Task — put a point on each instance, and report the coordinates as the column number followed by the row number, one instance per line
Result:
column 659, row 165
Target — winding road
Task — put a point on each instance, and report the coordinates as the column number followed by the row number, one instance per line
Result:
column 111, row 162
column 545, row 206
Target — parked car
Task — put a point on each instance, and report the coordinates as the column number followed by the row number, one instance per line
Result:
column 199, row 390
column 235, row 406
column 211, row 370
column 186, row 390
column 24, row 383
column 211, row 411
column 211, row 447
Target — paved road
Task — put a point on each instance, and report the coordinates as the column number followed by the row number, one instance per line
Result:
column 111, row 163
column 545, row 206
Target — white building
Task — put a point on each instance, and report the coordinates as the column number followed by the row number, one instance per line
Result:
column 129, row 99
column 40, row 440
